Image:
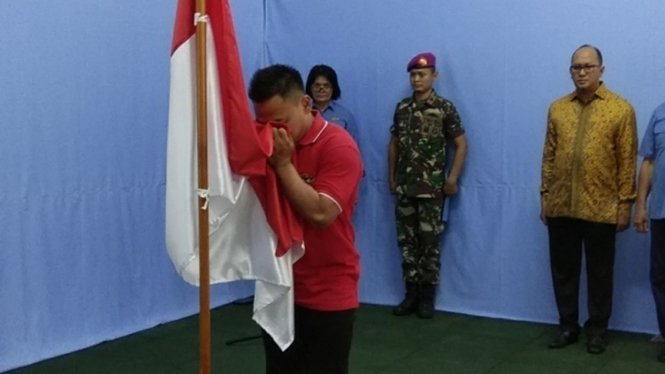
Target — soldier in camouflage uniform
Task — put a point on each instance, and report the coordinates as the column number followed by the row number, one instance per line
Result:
column 422, row 126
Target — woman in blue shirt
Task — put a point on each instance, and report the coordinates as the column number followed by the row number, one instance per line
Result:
column 323, row 88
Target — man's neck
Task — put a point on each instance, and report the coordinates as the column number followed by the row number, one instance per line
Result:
column 420, row 96
column 586, row 96
column 301, row 134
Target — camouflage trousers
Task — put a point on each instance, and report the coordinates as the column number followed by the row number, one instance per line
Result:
column 419, row 229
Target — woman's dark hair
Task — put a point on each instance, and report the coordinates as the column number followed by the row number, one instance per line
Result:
column 326, row 72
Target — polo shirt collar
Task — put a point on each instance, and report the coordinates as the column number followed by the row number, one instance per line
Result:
column 319, row 125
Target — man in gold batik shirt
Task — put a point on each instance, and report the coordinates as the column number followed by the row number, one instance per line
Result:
column 587, row 190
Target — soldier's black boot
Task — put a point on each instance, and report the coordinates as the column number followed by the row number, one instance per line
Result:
column 410, row 302
column 426, row 301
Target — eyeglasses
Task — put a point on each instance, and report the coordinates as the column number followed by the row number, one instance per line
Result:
column 321, row 87
column 578, row 68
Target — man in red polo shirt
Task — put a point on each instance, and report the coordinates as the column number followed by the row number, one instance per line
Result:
column 323, row 189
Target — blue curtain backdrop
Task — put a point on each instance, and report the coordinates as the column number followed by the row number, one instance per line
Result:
column 83, row 113
column 501, row 63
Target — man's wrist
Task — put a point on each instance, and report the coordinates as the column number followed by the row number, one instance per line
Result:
column 282, row 165
column 640, row 204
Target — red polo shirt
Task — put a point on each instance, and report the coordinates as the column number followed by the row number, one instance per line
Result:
column 326, row 277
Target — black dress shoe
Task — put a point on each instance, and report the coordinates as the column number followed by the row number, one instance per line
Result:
column 596, row 344
column 661, row 356
column 563, row 339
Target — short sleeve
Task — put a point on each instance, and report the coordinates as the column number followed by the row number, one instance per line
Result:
column 393, row 127
column 648, row 146
column 453, row 122
column 351, row 125
column 339, row 176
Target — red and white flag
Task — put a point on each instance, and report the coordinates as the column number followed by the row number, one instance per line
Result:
column 253, row 232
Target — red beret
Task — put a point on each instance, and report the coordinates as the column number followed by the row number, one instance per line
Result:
column 422, row 60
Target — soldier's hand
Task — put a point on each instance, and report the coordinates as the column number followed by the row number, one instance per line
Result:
column 641, row 221
column 450, row 187
column 391, row 185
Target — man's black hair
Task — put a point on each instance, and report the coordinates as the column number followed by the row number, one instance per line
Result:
column 282, row 80
column 600, row 55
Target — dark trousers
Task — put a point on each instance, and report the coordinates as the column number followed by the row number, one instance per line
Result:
column 658, row 269
column 321, row 346
column 567, row 236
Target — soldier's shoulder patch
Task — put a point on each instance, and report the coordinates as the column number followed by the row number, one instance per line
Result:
column 402, row 108
column 445, row 105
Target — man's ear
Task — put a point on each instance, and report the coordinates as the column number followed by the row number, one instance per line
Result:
column 306, row 103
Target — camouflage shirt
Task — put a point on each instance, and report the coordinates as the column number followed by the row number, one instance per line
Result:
column 422, row 129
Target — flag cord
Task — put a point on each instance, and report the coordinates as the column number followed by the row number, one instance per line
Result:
column 203, row 193
column 200, row 18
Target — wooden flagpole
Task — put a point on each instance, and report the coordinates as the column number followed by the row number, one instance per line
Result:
column 204, row 240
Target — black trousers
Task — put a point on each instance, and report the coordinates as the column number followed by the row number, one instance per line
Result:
column 658, row 269
column 567, row 237
column 321, row 346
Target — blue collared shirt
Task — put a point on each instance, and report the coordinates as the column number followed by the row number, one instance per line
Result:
column 338, row 114
column 653, row 147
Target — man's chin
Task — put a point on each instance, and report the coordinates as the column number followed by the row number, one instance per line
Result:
column 583, row 85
